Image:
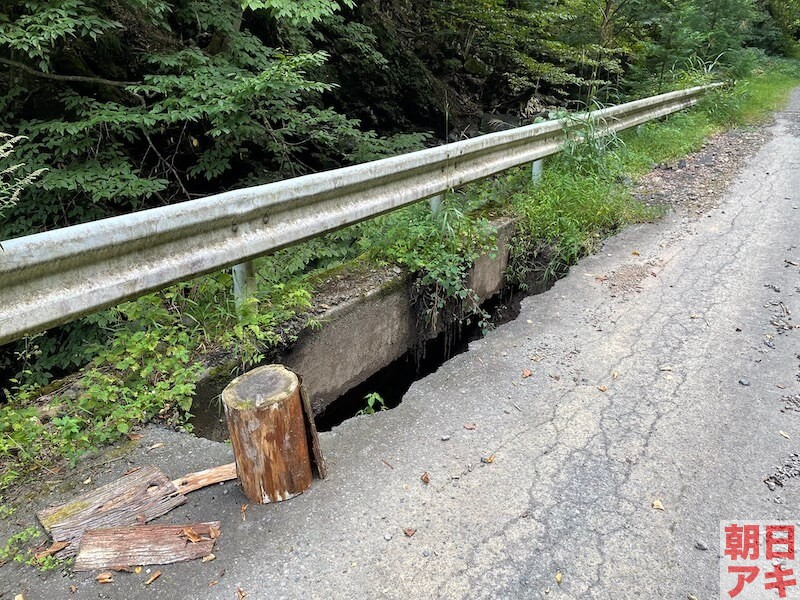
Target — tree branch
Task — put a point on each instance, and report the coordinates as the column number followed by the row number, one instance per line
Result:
column 68, row 78
column 167, row 165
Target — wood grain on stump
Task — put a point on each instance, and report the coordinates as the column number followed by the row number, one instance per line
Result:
column 268, row 435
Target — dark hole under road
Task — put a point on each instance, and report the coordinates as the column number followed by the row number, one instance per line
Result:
column 394, row 380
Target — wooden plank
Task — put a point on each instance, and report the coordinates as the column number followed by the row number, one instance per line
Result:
column 313, row 435
column 116, row 547
column 139, row 497
column 195, row 481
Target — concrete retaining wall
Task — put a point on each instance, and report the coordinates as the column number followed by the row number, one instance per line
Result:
column 364, row 335
column 358, row 338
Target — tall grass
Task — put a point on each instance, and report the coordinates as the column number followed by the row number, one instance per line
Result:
column 573, row 207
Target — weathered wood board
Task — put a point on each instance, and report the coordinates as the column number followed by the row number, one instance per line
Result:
column 117, row 547
column 139, row 497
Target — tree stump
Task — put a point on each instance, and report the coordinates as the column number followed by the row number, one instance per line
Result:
column 267, row 429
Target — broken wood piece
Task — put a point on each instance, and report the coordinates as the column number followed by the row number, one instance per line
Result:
column 313, row 435
column 140, row 496
column 195, row 481
column 268, row 434
column 144, row 545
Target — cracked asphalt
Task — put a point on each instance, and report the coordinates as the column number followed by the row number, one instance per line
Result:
column 666, row 367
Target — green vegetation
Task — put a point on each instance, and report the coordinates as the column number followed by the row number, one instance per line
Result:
column 12, row 185
column 19, row 548
column 140, row 103
column 374, row 402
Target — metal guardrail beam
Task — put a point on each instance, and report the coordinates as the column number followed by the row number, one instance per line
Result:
column 54, row 277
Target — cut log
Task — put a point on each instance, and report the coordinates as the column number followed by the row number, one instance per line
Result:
column 135, row 545
column 195, row 481
column 135, row 498
column 268, row 434
column 313, row 435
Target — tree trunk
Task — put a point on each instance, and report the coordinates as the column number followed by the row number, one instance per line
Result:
column 268, row 435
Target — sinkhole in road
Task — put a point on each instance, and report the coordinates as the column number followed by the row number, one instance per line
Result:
column 393, row 381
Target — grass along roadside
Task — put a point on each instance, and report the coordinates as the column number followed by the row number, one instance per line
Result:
column 140, row 361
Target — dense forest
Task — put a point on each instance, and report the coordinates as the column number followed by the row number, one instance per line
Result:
column 108, row 107
column 137, row 103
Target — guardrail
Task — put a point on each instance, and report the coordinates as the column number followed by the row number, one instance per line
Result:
column 54, row 277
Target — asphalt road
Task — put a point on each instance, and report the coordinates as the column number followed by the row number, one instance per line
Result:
column 658, row 368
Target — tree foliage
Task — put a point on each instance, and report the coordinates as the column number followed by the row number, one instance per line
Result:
column 137, row 103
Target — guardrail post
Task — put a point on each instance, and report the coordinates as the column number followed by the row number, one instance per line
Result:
column 537, row 169
column 244, row 283
column 436, row 203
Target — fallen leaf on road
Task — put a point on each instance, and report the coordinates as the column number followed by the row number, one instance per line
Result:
column 409, row 531
column 137, row 570
column 73, row 589
column 54, row 547
column 213, row 583
column 602, row 388
column 426, row 478
column 240, row 593
column 780, row 386
column 135, row 437
column 635, row 253
column 657, row 505
column 153, row 577
column 784, row 434
column 87, row 481
column 105, row 577
column 559, row 578
column 665, row 368
column 470, row 426
column 213, row 532
column 156, row 445
column 488, row 460
column 191, row 535
column 526, row 373
column 19, row 597
column 537, row 358
column 208, row 558
column 244, row 511
column 601, row 278
column 615, row 375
